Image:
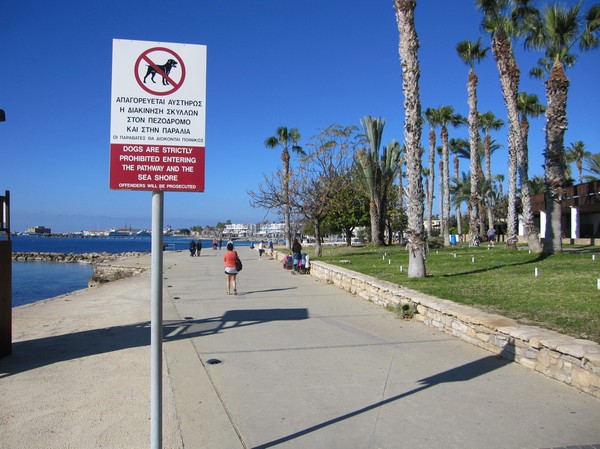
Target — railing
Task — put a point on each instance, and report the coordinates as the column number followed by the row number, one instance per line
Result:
column 584, row 196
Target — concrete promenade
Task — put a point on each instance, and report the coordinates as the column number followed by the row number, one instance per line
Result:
column 301, row 364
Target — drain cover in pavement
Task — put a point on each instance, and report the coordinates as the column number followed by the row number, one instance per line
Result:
column 213, row 361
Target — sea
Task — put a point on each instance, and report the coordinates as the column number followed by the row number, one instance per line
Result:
column 35, row 280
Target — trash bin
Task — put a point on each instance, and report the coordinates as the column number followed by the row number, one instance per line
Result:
column 453, row 239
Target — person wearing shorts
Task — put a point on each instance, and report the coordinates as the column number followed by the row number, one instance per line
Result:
column 229, row 258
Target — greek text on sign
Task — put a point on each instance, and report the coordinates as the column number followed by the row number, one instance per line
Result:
column 158, row 116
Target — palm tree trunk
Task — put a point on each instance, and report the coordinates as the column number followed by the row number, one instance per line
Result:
column 431, row 186
column 285, row 158
column 458, row 212
column 487, row 144
column 446, row 179
column 408, row 47
column 375, row 223
column 511, row 218
column 473, row 160
column 442, row 208
column 531, row 233
column 509, row 80
column 557, row 87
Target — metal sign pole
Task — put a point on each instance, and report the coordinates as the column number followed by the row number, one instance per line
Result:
column 156, row 290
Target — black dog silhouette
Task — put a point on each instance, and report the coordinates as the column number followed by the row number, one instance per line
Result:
column 165, row 69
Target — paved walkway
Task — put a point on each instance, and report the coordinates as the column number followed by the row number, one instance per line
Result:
column 301, row 364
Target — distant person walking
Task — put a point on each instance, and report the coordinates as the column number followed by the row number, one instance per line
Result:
column 271, row 248
column 491, row 234
column 198, row 247
column 230, row 258
column 261, row 249
column 192, row 248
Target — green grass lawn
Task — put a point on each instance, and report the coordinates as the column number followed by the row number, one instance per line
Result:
column 563, row 297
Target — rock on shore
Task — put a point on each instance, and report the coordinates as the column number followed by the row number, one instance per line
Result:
column 71, row 257
column 106, row 267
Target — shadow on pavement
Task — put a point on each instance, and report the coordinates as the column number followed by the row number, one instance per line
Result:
column 461, row 373
column 31, row 354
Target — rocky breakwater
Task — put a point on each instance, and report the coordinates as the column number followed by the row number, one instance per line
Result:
column 106, row 265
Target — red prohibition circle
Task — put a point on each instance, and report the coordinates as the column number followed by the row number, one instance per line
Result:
column 159, row 71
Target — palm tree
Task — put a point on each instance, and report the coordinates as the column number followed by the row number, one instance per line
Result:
column 472, row 53
column 592, row 167
column 454, row 147
column 528, row 106
column 461, row 192
column 447, row 116
column 378, row 175
column 556, row 31
column 426, row 177
column 401, row 177
column 537, row 185
column 488, row 122
column 432, row 117
column 407, row 48
column 287, row 140
column 576, row 152
column 503, row 22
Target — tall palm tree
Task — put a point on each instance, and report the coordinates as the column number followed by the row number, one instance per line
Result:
column 432, row 117
column 528, row 106
column 556, row 31
column 503, row 20
column 377, row 173
column 426, row 180
column 447, row 117
column 461, row 192
column 407, row 48
column 368, row 161
column 287, row 140
column 454, row 146
column 488, row 122
column 391, row 162
column 576, row 152
column 472, row 53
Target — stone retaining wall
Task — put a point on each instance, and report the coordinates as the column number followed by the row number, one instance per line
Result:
column 573, row 361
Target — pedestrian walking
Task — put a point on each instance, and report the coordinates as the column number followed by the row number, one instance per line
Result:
column 231, row 268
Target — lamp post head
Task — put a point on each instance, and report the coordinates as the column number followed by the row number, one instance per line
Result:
column 2, row 115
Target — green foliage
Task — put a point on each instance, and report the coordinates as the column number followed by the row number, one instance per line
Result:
column 564, row 297
column 403, row 311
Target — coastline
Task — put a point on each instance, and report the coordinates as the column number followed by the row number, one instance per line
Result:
column 25, row 256
column 105, row 267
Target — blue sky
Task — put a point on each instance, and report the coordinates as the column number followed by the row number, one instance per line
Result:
column 304, row 64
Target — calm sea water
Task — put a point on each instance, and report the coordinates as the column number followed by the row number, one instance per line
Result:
column 33, row 281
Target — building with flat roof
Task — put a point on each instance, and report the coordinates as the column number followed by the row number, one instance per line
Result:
column 39, row 230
